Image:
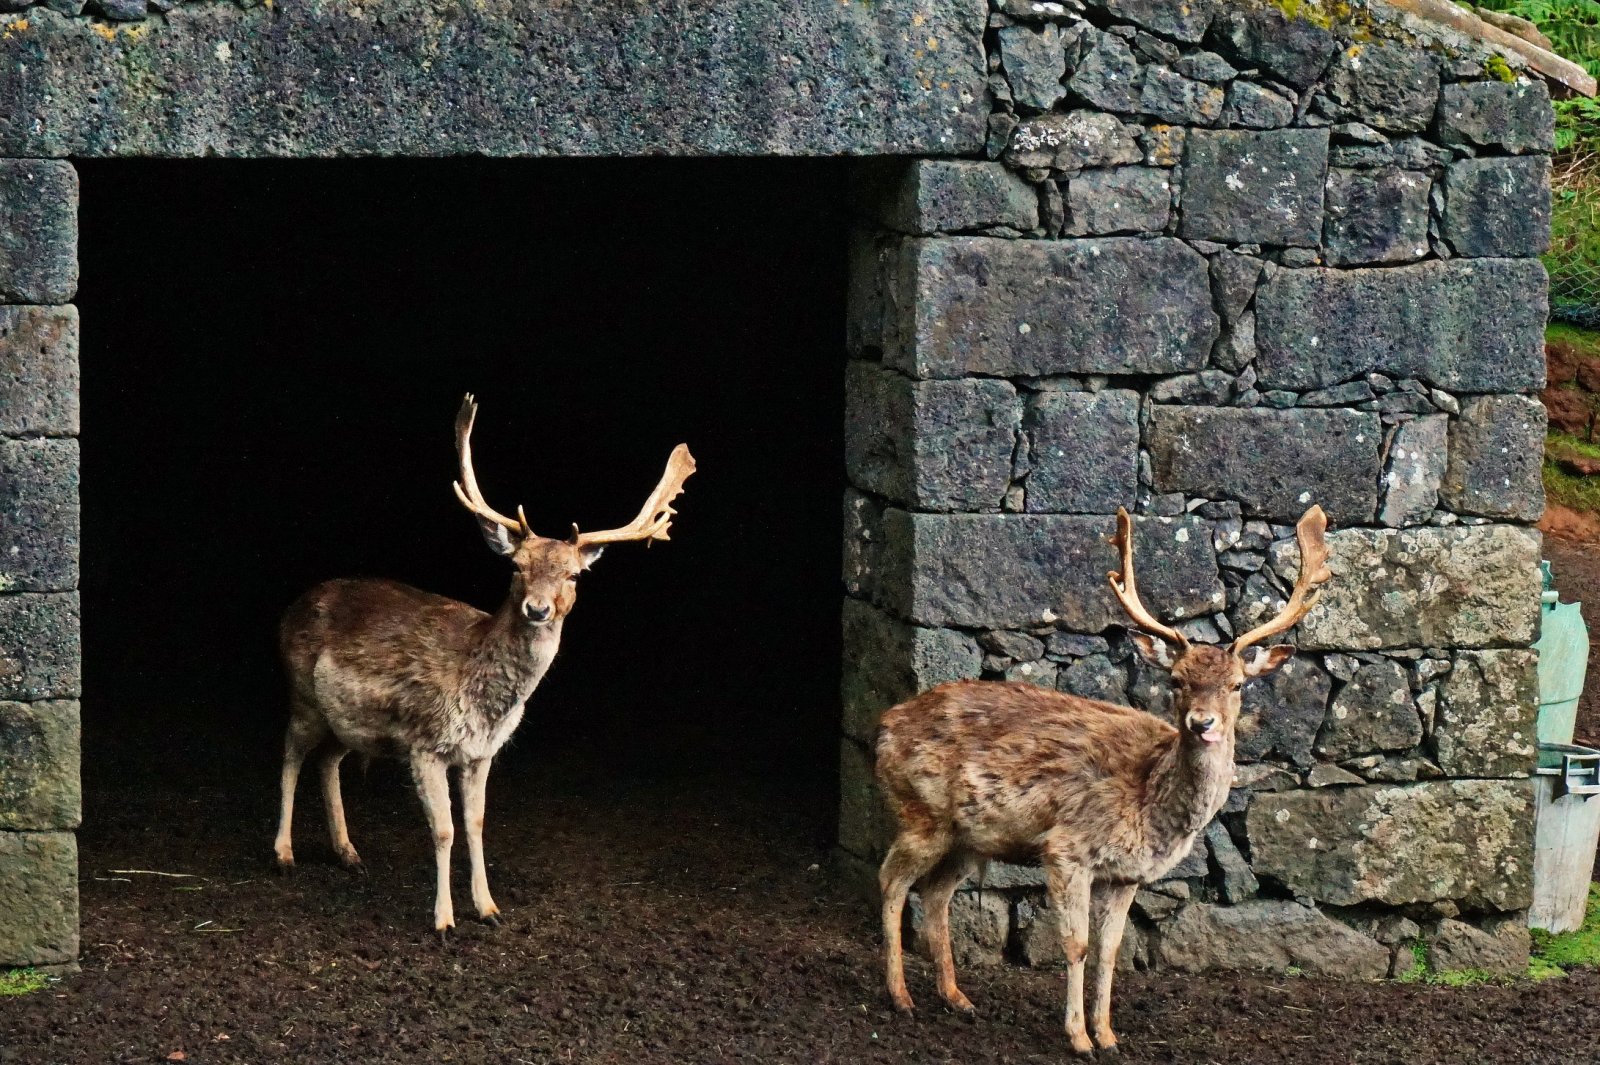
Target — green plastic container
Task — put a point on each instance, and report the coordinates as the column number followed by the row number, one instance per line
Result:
column 1563, row 660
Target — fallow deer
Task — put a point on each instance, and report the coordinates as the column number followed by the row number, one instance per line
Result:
column 384, row 669
column 1105, row 797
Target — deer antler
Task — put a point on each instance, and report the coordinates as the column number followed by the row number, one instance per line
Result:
column 1127, row 591
column 656, row 517
column 471, row 497
column 1313, row 572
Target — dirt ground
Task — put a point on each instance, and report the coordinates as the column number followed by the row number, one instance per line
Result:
column 684, row 918
column 681, row 920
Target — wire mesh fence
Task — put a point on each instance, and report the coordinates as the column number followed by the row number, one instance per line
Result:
column 1574, row 256
column 1574, row 291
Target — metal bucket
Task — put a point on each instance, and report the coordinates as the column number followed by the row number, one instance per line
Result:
column 1563, row 659
column 1566, row 830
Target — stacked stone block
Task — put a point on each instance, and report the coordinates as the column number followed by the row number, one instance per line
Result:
column 1264, row 264
column 39, row 654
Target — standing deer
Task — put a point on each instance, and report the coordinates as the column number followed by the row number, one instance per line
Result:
column 1106, row 797
column 387, row 670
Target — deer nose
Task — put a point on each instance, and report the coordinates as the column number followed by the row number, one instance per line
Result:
column 535, row 613
column 1202, row 725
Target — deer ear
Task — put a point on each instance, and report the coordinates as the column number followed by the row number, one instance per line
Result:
column 497, row 536
column 588, row 556
column 1153, row 649
column 1267, row 660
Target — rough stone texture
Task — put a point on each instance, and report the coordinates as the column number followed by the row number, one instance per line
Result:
column 1496, row 454
column 1247, row 187
column 39, row 881
column 39, row 371
column 1417, row 455
column 1456, row 945
column 1183, row 22
column 1463, row 325
column 326, row 78
column 1372, row 712
column 887, row 661
column 932, row 445
column 1073, row 141
column 38, row 222
column 1254, row 107
column 1233, row 283
column 1170, row 97
column 980, row 924
column 1017, row 570
column 1095, row 677
column 1425, row 587
column 38, row 515
column 1276, row 463
column 865, row 826
column 1498, row 206
column 988, row 306
column 1469, row 841
column 1512, row 117
column 39, row 773
column 1269, row 934
column 1294, row 49
column 954, row 195
column 1083, row 452
column 1391, row 87
column 1487, row 706
column 1039, row 937
column 1107, row 76
column 1376, row 216
column 1229, row 871
column 1035, row 60
column 1280, row 713
column 39, row 647
column 1129, row 199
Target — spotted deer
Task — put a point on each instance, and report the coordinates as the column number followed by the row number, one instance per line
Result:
column 1105, row 797
column 386, row 670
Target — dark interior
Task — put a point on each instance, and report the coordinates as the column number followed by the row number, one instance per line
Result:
column 273, row 354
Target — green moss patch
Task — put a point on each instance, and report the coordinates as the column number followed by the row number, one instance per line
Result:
column 21, row 982
column 1578, row 949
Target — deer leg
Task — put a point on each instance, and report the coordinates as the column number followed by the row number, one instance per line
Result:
column 474, row 788
column 333, row 802
column 1109, row 917
column 937, row 891
column 301, row 737
column 433, row 785
column 909, row 859
column 1069, row 896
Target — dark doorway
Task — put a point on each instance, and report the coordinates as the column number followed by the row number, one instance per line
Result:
column 273, row 353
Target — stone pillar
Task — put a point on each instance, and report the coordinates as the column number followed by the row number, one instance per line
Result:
column 1215, row 276
column 39, row 640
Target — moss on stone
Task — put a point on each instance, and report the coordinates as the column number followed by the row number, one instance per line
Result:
column 1576, row 949
column 21, row 982
column 1497, row 67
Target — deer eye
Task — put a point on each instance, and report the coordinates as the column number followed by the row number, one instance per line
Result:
column 1238, row 686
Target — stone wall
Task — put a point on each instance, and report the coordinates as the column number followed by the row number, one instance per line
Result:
column 1219, row 264
column 39, row 675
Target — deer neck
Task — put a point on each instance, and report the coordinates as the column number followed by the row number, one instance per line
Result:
column 509, row 660
column 1190, row 784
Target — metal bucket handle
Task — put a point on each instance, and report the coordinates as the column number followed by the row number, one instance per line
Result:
column 1580, row 773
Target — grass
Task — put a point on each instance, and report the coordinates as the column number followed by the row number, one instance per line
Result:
column 1585, row 341
column 21, row 982
column 1576, row 949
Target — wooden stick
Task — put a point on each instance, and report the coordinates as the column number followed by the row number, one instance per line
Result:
column 1538, row 59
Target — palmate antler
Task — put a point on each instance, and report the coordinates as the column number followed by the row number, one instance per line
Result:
column 1127, row 591
column 471, row 497
column 1313, row 572
column 655, row 519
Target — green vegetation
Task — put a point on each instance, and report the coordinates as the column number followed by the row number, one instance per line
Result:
column 1585, row 342
column 21, row 982
column 1497, row 67
column 1570, row 489
column 1419, row 964
column 1573, row 26
column 1576, row 949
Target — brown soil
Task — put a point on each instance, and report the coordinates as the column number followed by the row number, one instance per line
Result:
column 682, row 920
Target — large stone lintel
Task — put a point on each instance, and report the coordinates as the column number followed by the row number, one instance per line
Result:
column 427, row 78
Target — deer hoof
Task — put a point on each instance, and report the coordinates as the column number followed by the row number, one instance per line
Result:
column 903, row 1003
column 960, row 1003
column 491, row 919
column 285, row 864
column 1082, row 1047
column 351, row 860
